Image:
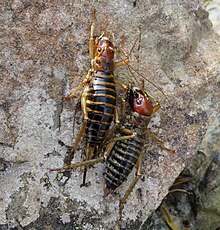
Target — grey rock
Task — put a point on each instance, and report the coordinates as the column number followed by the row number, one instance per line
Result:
column 198, row 206
column 208, row 188
column 213, row 7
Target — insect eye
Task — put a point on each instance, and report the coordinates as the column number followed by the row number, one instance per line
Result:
column 139, row 101
column 99, row 49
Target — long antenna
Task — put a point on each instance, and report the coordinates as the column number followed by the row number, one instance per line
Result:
column 130, row 68
column 155, row 85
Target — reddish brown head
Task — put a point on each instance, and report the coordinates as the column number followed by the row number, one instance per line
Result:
column 104, row 55
column 140, row 102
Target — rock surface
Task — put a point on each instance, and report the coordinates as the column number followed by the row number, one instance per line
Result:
column 213, row 7
column 198, row 206
column 44, row 54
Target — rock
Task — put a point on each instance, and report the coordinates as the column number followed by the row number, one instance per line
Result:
column 213, row 7
column 44, row 54
column 198, row 206
column 208, row 188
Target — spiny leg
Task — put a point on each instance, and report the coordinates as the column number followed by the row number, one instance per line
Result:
column 131, row 187
column 128, row 134
column 91, row 40
column 86, row 80
column 157, row 104
column 83, row 103
column 79, row 165
column 124, row 87
column 108, row 149
column 123, row 62
column 159, row 141
column 123, row 110
column 156, row 107
column 89, row 155
column 69, row 157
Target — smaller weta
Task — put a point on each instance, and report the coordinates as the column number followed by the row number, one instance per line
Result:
column 124, row 152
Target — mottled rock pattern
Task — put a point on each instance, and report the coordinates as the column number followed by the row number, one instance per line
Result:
column 198, row 206
column 44, row 54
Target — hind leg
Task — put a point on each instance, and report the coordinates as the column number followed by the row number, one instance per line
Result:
column 79, row 165
column 131, row 187
column 69, row 157
column 160, row 142
column 89, row 155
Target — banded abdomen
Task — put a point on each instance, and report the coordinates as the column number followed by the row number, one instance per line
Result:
column 121, row 161
column 100, row 103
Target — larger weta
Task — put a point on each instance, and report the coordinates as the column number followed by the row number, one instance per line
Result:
column 98, row 99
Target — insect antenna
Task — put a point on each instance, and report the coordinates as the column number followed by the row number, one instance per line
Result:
column 130, row 68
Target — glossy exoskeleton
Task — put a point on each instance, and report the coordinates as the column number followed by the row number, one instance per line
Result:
column 98, row 100
column 124, row 152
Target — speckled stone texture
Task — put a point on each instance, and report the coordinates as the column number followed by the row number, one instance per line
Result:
column 44, row 54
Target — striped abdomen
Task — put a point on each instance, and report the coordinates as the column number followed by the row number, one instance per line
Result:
column 100, row 103
column 121, row 161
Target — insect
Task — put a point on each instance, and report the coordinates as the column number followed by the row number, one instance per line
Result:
column 98, row 99
column 122, row 153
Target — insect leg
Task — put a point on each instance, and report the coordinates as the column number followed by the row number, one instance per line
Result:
column 156, row 107
column 69, row 157
column 79, row 165
column 86, row 80
column 91, row 40
column 109, row 148
column 89, row 154
column 128, row 134
column 116, row 116
column 123, row 62
column 83, row 103
column 124, row 87
column 123, row 110
column 89, row 162
column 110, row 144
column 131, row 187
column 160, row 142
column 157, row 104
